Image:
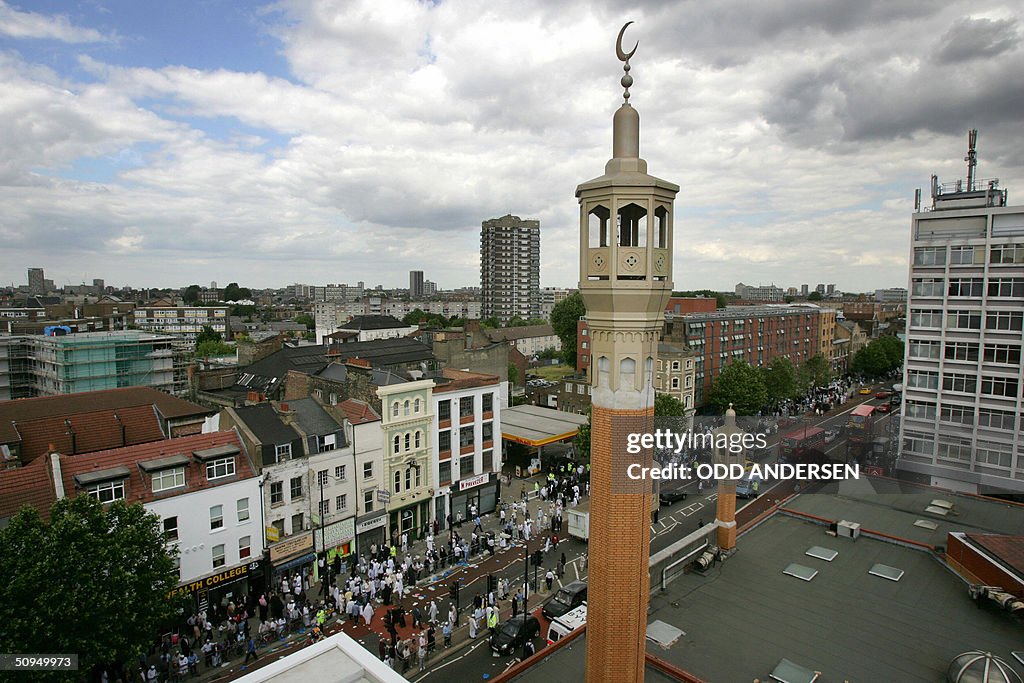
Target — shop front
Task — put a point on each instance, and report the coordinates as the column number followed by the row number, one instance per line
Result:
column 212, row 594
column 371, row 529
column 290, row 556
column 481, row 492
column 337, row 539
column 410, row 520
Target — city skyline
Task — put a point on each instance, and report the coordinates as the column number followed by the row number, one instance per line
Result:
column 253, row 142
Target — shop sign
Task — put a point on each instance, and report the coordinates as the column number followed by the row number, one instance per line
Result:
column 475, row 481
column 291, row 546
column 370, row 524
column 273, row 535
column 226, row 576
column 335, row 534
column 383, row 496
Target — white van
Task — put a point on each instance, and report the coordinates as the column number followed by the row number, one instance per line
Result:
column 567, row 623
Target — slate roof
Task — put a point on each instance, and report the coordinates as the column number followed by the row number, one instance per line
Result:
column 138, row 487
column 25, row 409
column 265, row 424
column 384, row 352
column 314, row 420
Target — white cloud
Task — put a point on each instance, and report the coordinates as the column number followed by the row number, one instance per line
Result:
column 16, row 23
column 797, row 136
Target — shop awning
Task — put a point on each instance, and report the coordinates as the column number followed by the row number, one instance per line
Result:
column 539, row 426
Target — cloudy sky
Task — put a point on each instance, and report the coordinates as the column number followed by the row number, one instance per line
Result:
column 164, row 143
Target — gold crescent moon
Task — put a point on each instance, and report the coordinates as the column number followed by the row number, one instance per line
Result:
column 623, row 56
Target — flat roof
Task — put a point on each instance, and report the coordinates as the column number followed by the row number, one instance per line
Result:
column 893, row 507
column 744, row 616
column 538, row 426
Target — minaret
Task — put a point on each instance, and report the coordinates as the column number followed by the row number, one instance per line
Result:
column 725, row 506
column 626, row 280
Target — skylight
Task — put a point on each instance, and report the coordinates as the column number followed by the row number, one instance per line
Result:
column 801, row 572
column 826, row 554
column 887, row 572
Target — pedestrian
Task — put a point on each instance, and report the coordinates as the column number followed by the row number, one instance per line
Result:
column 472, row 627
column 549, row 579
column 421, row 654
column 382, row 649
column 250, row 651
column 446, row 631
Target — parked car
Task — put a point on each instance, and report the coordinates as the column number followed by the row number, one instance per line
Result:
column 569, row 597
column 514, row 633
column 671, row 496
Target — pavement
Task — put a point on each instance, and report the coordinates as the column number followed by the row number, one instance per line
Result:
column 472, row 577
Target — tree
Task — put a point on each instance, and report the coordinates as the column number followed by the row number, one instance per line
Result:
column 208, row 334
column 212, row 347
column 582, row 441
column 814, row 296
column 94, row 581
column 815, row 372
column 780, row 379
column 307, row 320
column 549, row 353
column 235, row 293
column 513, row 373
column 492, row 322
column 742, row 385
column 191, row 295
column 667, row 405
column 721, row 299
column 564, row 317
column 892, row 347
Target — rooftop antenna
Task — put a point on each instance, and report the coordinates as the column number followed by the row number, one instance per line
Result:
column 971, row 158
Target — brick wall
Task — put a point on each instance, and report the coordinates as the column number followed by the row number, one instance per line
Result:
column 619, row 583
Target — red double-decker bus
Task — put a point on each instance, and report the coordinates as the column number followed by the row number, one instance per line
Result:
column 794, row 444
column 860, row 427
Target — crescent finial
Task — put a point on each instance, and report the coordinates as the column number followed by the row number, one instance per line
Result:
column 623, row 56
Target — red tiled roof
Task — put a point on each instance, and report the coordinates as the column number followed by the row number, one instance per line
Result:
column 463, row 379
column 138, row 487
column 358, row 412
column 25, row 409
column 28, row 485
column 93, row 431
column 1007, row 549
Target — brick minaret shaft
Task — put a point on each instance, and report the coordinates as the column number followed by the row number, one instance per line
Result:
column 725, row 508
column 625, row 279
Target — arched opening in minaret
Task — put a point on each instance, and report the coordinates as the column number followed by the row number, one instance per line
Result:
column 597, row 223
column 661, row 228
column 632, row 226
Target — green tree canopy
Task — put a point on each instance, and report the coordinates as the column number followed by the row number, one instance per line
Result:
column 191, row 295
column 878, row 358
column 815, row 372
column 667, row 405
column 721, row 300
column 235, row 293
column 93, row 581
column 516, row 321
column 213, row 347
column 307, row 320
column 513, row 374
column 207, row 334
column 780, row 379
column 814, row 296
column 742, row 385
column 582, row 442
column 491, row 322
column 564, row 317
